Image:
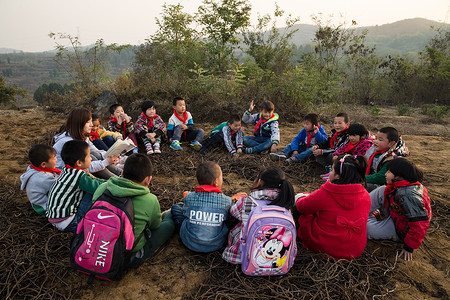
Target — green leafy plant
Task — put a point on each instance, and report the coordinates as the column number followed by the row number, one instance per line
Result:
column 435, row 111
column 404, row 110
column 374, row 110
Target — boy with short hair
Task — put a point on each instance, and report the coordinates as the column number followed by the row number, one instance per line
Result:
column 301, row 146
column 101, row 138
column 121, row 122
column 150, row 127
column 136, row 177
column 71, row 194
column 181, row 127
column 324, row 151
column 201, row 219
column 266, row 133
column 40, row 176
column 225, row 133
column 386, row 146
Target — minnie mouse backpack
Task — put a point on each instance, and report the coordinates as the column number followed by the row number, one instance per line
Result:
column 268, row 245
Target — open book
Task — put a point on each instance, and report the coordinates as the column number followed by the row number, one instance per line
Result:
column 120, row 147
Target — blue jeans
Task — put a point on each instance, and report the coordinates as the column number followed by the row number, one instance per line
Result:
column 302, row 155
column 177, row 215
column 258, row 143
column 105, row 143
column 188, row 135
column 84, row 206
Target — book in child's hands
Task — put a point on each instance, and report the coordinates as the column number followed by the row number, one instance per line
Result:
column 120, row 147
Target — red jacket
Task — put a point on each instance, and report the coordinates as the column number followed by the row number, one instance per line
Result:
column 334, row 220
column 409, row 207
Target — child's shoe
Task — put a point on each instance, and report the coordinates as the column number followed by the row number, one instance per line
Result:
column 175, row 145
column 156, row 148
column 249, row 150
column 277, row 156
column 135, row 150
column 290, row 160
column 328, row 169
column 196, row 145
column 149, row 148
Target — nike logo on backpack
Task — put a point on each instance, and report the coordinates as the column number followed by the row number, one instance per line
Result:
column 103, row 217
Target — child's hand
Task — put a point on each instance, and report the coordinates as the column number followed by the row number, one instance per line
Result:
column 273, row 149
column 113, row 160
column 294, row 153
column 252, row 106
column 316, row 129
column 317, row 151
column 183, row 127
column 239, row 150
column 408, row 256
column 235, row 155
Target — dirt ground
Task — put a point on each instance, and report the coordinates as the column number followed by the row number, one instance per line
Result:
column 175, row 272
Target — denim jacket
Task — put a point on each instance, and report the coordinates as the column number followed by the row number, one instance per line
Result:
column 203, row 229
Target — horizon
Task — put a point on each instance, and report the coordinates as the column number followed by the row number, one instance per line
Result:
column 25, row 24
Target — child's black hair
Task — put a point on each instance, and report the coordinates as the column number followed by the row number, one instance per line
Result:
column 207, row 172
column 176, row 99
column 137, row 167
column 146, row 105
column 73, row 151
column 313, row 118
column 95, row 117
column 405, row 169
column 113, row 108
column 40, row 153
column 234, row 118
column 350, row 169
column 268, row 106
column 274, row 177
column 391, row 132
column 343, row 115
column 357, row 129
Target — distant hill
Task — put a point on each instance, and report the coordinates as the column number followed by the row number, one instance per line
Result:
column 9, row 50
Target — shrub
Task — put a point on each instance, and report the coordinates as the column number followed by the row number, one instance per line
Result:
column 435, row 111
column 374, row 110
column 404, row 110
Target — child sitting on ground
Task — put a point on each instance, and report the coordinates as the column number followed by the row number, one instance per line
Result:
column 324, row 151
column 266, row 133
column 101, row 138
column 71, row 195
column 201, row 219
column 301, row 146
column 334, row 217
column 225, row 133
column 270, row 188
column 359, row 141
column 120, row 122
column 181, row 127
column 137, row 174
column 405, row 203
column 386, row 146
column 40, row 176
column 150, row 127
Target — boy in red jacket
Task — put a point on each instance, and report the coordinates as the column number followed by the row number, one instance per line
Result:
column 406, row 204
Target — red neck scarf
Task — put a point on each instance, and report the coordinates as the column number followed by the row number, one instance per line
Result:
column 261, row 121
column 333, row 138
column 124, row 126
column 149, row 119
column 185, row 116
column 234, row 132
column 208, row 189
column 390, row 188
column 350, row 147
column 70, row 167
column 310, row 136
column 94, row 136
column 48, row 170
column 369, row 164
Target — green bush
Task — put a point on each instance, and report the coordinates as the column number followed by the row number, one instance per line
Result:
column 374, row 110
column 435, row 111
column 404, row 110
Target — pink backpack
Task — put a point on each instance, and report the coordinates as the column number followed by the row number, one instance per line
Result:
column 269, row 241
column 104, row 238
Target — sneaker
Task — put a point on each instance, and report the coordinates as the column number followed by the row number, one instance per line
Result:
column 156, row 148
column 150, row 151
column 135, row 150
column 290, row 161
column 277, row 156
column 249, row 150
column 196, row 146
column 328, row 169
column 175, row 145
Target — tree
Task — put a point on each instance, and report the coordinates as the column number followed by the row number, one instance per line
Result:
column 222, row 20
column 269, row 46
column 85, row 64
column 8, row 93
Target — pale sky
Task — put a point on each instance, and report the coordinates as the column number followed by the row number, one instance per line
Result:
column 25, row 24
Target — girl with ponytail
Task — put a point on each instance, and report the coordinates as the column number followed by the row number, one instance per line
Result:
column 270, row 187
column 334, row 218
